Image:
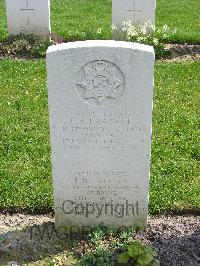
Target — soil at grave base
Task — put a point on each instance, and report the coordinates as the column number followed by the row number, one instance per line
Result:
column 183, row 49
column 179, row 53
column 182, row 53
column 176, row 239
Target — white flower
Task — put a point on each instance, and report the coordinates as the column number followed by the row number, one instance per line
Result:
column 139, row 39
column 132, row 33
column 158, row 30
column 149, row 26
column 143, row 30
column 165, row 28
column 113, row 27
column 99, row 30
column 155, row 41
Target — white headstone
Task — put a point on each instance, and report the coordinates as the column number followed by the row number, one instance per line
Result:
column 29, row 17
column 100, row 104
column 136, row 11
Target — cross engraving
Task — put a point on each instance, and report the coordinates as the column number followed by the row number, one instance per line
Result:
column 27, row 9
column 134, row 10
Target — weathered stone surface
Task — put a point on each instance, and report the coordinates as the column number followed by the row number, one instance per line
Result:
column 137, row 11
column 29, row 17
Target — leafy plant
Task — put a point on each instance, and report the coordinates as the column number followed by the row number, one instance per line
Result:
column 50, row 263
column 39, row 49
column 56, row 39
column 102, row 246
column 99, row 233
column 146, row 34
column 126, row 235
column 99, row 257
column 139, row 255
column 24, row 46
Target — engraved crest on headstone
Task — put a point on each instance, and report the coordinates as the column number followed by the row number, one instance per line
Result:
column 100, row 82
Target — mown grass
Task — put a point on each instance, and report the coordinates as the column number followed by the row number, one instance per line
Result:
column 25, row 153
column 25, row 150
column 175, row 171
column 182, row 15
column 3, row 22
column 81, row 19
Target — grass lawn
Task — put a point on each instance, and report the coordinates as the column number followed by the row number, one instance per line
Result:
column 3, row 23
column 183, row 15
column 175, row 170
column 25, row 153
column 25, row 150
column 74, row 19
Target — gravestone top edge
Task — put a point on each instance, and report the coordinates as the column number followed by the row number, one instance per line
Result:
column 100, row 43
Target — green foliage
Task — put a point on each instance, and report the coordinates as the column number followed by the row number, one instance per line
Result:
column 126, row 234
column 123, row 258
column 28, row 47
column 173, row 13
column 145, row 34
column 103, row 251
column 99, row 233
column 50, row 263
column 104, row 244
column 39, row 49
column 99, row 257
column 24, row 46
column 137, row 254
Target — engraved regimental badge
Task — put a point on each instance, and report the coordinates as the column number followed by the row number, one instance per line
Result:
column 100, row 83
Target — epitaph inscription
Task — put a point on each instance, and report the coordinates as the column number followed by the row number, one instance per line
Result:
column 100, row 83
column 103, row 132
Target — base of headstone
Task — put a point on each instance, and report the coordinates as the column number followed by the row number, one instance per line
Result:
column 28, row 17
